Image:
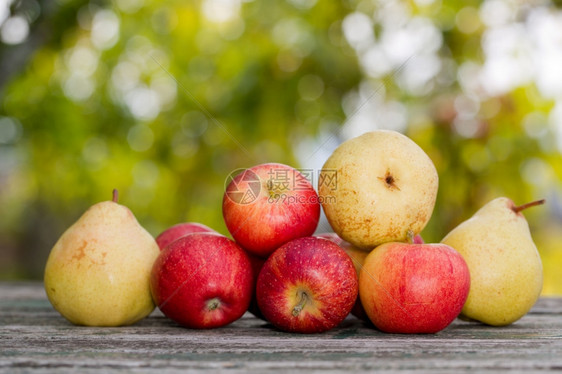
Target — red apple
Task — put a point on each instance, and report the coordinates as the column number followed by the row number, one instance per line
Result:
column 268, row 205
column 202, row 280
column 177, row 231
column 413, row 288
column 308, row 285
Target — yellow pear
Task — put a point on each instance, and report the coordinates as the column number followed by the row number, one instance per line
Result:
column 98, row 272
column 377, row 187
column 505, row 266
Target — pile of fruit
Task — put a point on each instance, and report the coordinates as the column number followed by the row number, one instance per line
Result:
column 378, row 192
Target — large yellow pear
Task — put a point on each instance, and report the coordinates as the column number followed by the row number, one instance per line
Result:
column 98, row 272
column 505, row 266
column 378, row 188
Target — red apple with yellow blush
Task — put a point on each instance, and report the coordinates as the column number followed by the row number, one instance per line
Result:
column 413, row 288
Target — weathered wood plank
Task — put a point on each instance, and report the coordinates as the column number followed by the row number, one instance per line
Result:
column 34, row 338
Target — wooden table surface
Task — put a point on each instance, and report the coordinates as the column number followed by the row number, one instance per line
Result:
column 35, row 338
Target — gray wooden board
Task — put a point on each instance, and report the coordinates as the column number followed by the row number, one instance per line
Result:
column 35, row 338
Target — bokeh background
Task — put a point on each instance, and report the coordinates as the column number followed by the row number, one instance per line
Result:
column 163, row 99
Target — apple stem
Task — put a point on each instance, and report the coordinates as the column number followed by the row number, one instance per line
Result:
column 300, row 306
column 213, row 304
column 115, row 195
column 519, row 208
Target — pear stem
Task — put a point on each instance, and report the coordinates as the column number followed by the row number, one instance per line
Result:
column 115, row 195
column 519, row 208
column 302, row 302
column 410, row 237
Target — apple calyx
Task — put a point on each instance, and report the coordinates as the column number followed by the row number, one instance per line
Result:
column 518, row 209
column 303, row 298
column 213, row 304
column 115, row 198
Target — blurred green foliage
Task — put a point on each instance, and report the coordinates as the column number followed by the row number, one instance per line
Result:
column 162, row 100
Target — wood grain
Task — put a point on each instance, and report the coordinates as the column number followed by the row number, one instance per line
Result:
column 35, row 338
